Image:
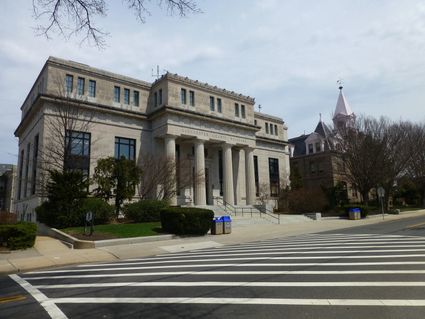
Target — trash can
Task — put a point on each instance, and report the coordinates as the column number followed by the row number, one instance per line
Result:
column 227, row 224
column 217, row 226
column 354, row 213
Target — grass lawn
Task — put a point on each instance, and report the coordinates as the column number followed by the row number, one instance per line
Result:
column 110, row 231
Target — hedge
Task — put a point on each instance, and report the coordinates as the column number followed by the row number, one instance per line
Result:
column 18, row 236
column 145, row 210
column 186, row 220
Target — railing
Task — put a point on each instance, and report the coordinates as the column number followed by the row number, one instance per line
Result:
column 270, row 213
column 242, row 210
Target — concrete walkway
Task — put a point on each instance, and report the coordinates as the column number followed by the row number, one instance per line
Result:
column 48, row 252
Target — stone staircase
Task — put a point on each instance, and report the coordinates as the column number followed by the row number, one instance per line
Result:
column 248, row 215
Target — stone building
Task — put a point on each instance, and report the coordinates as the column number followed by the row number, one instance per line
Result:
column 314, row 157
column 7, row 186
column 233, row 148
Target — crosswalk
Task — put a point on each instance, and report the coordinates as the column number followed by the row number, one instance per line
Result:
column 305, row 275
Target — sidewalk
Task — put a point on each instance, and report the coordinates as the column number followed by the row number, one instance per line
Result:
column 48, row 252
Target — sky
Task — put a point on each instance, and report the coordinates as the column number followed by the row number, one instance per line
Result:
column 287, row 54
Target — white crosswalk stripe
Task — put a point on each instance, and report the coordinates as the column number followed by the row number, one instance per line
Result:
column 311, row 270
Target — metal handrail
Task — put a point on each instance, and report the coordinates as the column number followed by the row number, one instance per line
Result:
column 271, row 214
column 234, row 209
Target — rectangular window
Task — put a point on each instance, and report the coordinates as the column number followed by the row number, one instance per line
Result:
column 318, row 147
column 267, row 128
column 257, row 180
column 27, row 168
column 274, row 176
column 271, row 129
column 236, row 109
column 178, row 182
column 255, row 122
column 313, row 167
column 125, row 147
column 243, row 111
column 68, row 83
column 275, row 130
column 310, row 149
column 155, row 99
column 80, row 86
column 126, row 96
column 34, row 164
column 212, row 103
column 219, row 110
column 220, row 171
column 160, row 96
column 183, row 97
column 136, row 98
column 77, row 152
column 117, row 94
column 92, row 88
column 192, row 98
column 21, row 171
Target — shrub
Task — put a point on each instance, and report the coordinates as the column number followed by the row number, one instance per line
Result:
column 186, row 220
column 101, row 210
column 52, row 216
column 18, row 236
column 145, row 210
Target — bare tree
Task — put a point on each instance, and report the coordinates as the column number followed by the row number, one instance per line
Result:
column 416, row 165
column 159, row 179
column 76, row 17
column 63, row 115
column 359, row 148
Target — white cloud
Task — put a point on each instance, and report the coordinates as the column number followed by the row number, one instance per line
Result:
column 287, row 54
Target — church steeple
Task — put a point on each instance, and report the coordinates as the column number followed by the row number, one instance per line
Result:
column 343, row 115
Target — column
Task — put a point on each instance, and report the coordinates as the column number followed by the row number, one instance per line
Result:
column 200, row 193
column 249, row 176
column 170, row 154
column 228, row 194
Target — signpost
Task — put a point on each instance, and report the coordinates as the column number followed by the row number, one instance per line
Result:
column 381, row 195
column 88, row 223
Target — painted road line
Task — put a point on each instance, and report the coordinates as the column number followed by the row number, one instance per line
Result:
column 322, row 264
column 352, row 245
column 306, row 248
column 12, row 298
column 247, row 301
column 238, row 284
column 241, row 258
column 233, row 273
column 45, row 302
column 291, row 253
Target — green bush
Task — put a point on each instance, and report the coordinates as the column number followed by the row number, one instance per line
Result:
column 51, row 215
column 145, row 210
column 102, row 211
column 18, row 236
column 186, row 220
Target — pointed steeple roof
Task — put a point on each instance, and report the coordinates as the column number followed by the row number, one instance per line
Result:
column 342, row 106
column 322, row 129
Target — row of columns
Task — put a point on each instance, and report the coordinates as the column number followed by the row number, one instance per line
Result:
column 228, row 193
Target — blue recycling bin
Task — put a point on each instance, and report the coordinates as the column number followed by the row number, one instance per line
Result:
column 227, row 224
column 354, row 213
column 217, row 227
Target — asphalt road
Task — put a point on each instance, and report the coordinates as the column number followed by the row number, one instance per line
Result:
column 375, row 271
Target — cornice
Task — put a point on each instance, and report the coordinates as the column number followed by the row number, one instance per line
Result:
column 205, row 86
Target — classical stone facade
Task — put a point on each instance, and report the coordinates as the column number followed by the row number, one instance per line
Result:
column 233, row 148
column 7, row 186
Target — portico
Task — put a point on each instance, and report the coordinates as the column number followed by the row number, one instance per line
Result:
column 212, row 163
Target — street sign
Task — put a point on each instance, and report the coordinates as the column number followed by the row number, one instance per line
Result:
column 381, row 191
column 89, row 216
